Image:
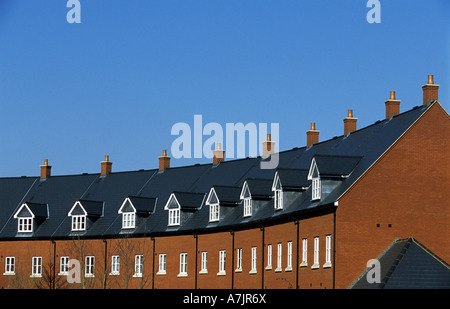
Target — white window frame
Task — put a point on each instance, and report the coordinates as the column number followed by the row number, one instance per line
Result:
column 239, row 260
column 138, row 265
column 214, row 212
column 115, row 265
column 222, row 260
column 183, row 265
column 128, row 220
column 89, row 264
column 63, row 265
column 247, row 207
column 316, row 189
column 10, row 265
column 78, row 223
column 25, row 224
column 279, row 257
column 36, row 266
column 289, row 256
column 162, row 264
column 174, row 217
column 304, row 252
column 316, row 252
column 269, row 256
column 253, row 269
column 327, row 251
column 278, row 199
column 204, row 263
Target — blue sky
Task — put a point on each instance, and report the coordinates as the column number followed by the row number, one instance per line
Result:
column 117, row 82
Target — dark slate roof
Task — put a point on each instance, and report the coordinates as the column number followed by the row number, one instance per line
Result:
column 143, row 204
column 93, row 208
column 38, row 210
column 228, row 195
column 293, row 179
column 407, row 264
column 350, row 155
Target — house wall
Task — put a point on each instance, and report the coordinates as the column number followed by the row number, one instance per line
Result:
column 404, row 194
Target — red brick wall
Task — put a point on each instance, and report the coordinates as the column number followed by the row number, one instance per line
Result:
column 406, row 192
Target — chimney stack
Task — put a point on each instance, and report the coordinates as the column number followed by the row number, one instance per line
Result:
column 430, row 91
column 268, row 146
column 312, row 136
column 164, row 161
column 392, row 106
column 218, row 154
column 45, row 170
column 349, row 122
column 106, row 166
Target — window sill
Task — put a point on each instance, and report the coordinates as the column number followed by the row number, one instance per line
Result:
column 137, row 276
column 268, row 267
column 278, row 270
column 253, row 272
column 89, row 276
column 221, row 273
column 162, row 272
column 288, row 269
column 304, row 264
column 35, row 276
column 327, row 265
column 315, row 266
column 203, row 272
column 182, row 275
column 114, row 274
column 9, row 274
column 238, row 270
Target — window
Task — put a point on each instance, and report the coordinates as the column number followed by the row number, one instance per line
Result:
column 78, row 222
column 214, row 212
column 247, row 206
column 183, row 265
column 269, row 257
column 138, row 265
column 253, row 268
column 162, row 264
column 128, row 220
column 328, row 251
column 25, row 225
column 36, row 267
column 278, row 199
column 304, row 252
column 174, row 217
column 289, row 256
column 63, row 265
column 115, row 265
column 316, row 189
column 222, row 255
column 316, row 253
column 10, row 265
column 279, row 256
column 204, row 264
column 239, row 259
column 89, row 266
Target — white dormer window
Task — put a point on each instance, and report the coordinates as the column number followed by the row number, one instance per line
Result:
column 25, row 225
column 78, row 222
column 30, row 214
column 278, row 193
column 214, row 206
column 247, row 200
column 173, row 207
column 128, row 220
column 314, row 176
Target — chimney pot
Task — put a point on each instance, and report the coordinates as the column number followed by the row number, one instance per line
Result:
column 164, row 161
column 218, row 154
column 312, row 136
column 349, row 122
column 45, row 170
column 430, row 91
column 392, row 106
column 268, row 146
column 106, row 166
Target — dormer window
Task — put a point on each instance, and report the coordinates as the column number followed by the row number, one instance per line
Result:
column 134, row 207
column 221, row 200
column 247, row 200
column 28, row 214
column 173, row 207
column 81, row 211
column 214, row 207
column 316, row 185
column 278, row 193
column 79, row 223
column 128, row 220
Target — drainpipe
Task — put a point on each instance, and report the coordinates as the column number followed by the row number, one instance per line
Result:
column 262, row 262
column 297, row 223
column 232, row 259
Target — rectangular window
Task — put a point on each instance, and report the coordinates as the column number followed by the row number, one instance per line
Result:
column 115, row 265
column 79, row 223
column 253, row 268
column 63, row 265
column 269, row 257
column 89, row 266
column 239, row 259
column 316, row 189
column 204, row 265
column 278, row 199
column 25, row 225
column 174, row 217
column 183, row 264
column 304, row 252
column 128, row 220
column 328, row 251
column 279, row 257
column 289, row 256
column 222, row 255
column 247, row 207
column 214, row 212
column 10, row 265
column 138, row 265
column 316, row 252
column 162, row 264
column 36, row 267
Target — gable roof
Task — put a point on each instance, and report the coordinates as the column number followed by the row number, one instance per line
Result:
column 35, row 210
column 293, row 179
column 142, row 205
column 407, row 264
column 227, row 195
column 335, row 165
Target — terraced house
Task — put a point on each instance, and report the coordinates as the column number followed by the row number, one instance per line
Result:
column 313, row 222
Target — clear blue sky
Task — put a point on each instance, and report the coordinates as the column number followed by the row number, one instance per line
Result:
column 116, row 83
